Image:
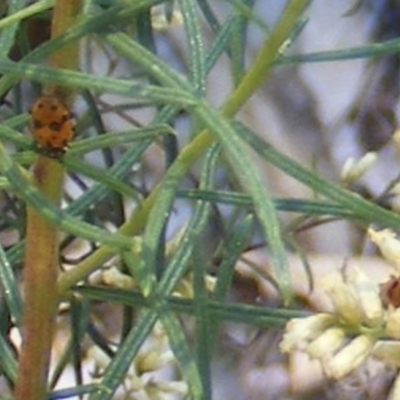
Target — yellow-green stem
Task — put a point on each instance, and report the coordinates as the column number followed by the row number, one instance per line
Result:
column 251, row 81
column 41, row 261
column 261, row 66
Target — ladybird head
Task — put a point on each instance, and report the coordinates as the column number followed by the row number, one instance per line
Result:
column 48, row 110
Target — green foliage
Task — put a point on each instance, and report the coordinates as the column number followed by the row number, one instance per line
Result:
column 139, row 211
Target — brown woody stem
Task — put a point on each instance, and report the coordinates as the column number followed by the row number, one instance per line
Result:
column 41, row 262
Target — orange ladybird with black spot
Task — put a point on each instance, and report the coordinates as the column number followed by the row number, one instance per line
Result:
column 52, row 126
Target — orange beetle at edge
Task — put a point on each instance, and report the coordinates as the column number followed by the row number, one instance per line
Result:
column 52, row 126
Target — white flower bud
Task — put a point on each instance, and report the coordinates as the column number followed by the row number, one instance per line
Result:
column 326, row 344
column 353, row 170
column 299, row 330
column 209, row 283
column 153, row 360
column 350, row 357
column 114, row 277
column 388, row 245
column 344, row 298
column 159, row 20
column 177, row 387
column 368, row 295
column 388, row 351
column 101, row 359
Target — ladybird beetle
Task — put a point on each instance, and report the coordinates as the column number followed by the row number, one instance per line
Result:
column 52, row 127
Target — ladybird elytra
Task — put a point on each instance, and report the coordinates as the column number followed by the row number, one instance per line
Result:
column 52, row 126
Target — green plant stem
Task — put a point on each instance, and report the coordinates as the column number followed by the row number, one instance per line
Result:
column 26, row 12
column 41, row 259
column 251, row 81
column 265, row 58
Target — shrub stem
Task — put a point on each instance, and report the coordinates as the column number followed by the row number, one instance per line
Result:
column 41, row 261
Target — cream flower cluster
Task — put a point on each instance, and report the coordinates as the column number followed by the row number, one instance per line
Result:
column 152, row 373
column 360, row 325
column 357, row 313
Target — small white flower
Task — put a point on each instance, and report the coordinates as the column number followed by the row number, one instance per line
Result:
column 153, row 360
column 176, row 387
column 301, row 330
column 153, row 372
column 326, row 343
column 350, row 357
column 159, row 20
column 387, row 351
column 185, row 287
column 344, row 298
column 368, row 294
column 353, row 170
column 388, row 245
column 357, row 310
column 115, row 278
column 100, row 358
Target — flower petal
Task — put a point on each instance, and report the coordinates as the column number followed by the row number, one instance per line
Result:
column 350, row 357
column 344, row 298
column 369, row 299
column 388, row 245
column 387, row 351
column 299, row 330
column 353, row 169
column 326, row 344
